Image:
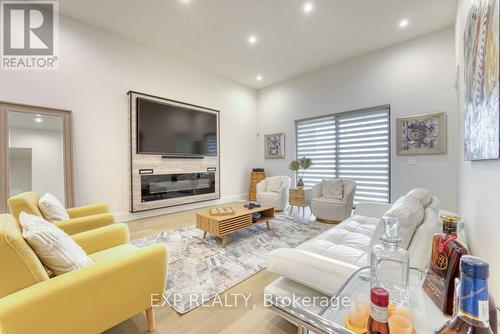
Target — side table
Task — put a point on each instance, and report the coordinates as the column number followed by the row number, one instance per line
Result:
column 301, row 198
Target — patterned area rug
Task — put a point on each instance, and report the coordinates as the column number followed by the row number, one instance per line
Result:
column 200, row 269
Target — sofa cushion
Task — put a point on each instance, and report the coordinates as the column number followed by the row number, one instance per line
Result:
column 332, row 188
column 274, row 184
column 52, row 208
column 112, row 253
column 421, row 244
column 347, row 242
column 53, row 246
column 410, row 213
column 328, row 200
column 269, row 194
column 422, row 195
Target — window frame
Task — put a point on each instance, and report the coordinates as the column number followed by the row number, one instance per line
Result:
column 338, row 114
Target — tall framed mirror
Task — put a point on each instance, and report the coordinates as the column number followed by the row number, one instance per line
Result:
column 35, row 152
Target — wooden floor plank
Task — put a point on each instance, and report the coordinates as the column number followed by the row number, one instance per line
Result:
column 213, row 319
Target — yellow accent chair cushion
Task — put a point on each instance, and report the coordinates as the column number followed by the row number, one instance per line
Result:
column 81, row 219
column 120, row 283
column 19, row 265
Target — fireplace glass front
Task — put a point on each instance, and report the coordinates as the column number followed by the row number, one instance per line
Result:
column 156, row 187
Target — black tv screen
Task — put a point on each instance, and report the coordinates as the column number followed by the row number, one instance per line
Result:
column 169, row 129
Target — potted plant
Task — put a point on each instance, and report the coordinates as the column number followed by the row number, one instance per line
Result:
column 299, row 166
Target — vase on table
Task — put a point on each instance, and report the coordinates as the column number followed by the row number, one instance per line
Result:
column 300, row 183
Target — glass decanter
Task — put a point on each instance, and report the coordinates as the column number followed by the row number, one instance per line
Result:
column 390, row 264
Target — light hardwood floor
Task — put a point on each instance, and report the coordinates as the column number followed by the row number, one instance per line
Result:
column 210, row 319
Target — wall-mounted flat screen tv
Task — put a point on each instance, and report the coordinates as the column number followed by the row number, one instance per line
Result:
column 174, row 129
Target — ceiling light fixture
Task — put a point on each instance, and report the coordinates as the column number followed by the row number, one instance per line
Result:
column 403, row 23
column 259, row 78
column 252, row 39
column 185, row 1
column 38, row 120
column 308, row 7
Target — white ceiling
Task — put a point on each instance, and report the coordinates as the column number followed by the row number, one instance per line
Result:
column 213, row 33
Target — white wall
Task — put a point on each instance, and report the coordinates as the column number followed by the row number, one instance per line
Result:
column 47, row 168
column 415, row 77
column 479, row 184
column 95, row 72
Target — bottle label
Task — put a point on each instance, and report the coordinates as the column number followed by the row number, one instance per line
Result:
column 474, row 298
column 378, row 313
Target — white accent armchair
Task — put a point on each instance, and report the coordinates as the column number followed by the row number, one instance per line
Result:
column 273, row 191
column 333, row 210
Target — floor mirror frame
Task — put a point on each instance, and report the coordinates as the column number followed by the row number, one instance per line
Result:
column 5, row 108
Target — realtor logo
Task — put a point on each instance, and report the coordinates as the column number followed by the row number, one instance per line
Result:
column 29, row 35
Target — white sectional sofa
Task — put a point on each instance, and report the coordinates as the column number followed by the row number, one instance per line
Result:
column 326, row 261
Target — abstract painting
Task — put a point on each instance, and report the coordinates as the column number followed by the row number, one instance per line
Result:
column 481, row 75
column 274, row 146
column 422, row 134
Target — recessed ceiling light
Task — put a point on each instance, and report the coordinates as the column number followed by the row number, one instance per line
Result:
column 38, row 120
column 252, row 39
column 259, row 78
column 185, row 1
column 308, row 7
column 403, row 23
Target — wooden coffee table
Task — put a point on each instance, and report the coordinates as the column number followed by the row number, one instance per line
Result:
column 221, row 226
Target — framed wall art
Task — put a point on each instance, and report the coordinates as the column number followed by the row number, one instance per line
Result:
column 274, row 146
column 421, row 134
column 481, row 75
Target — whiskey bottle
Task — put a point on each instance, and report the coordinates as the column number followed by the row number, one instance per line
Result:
column 377, row 322
column 473, row 309
column 444, row 267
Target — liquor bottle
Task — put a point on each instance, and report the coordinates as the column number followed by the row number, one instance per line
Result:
column 473, row 309
column 444, row 267
column 492, row 308
column 377, row 322
column 390, row 264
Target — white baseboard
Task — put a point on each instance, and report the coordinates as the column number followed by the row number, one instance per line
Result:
column 128, row 216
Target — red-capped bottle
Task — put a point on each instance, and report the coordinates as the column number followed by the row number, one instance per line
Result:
column 377, row 323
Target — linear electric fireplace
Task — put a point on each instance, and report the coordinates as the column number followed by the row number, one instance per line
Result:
column 166, row 186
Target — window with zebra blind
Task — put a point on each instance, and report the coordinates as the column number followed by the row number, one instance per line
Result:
column 353, row 145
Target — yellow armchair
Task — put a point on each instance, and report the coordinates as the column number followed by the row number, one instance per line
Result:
column 119, row 284
column 81, row 219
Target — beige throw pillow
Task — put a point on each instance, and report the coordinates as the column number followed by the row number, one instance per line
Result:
column 274, row 184
column 53, row 246
column 52, row 208
column 332, row 188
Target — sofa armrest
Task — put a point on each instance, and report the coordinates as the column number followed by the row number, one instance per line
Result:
column 102, row 238
column 82, row 224
column 318, row 272
column 371, row 209
column 88, row 210
column 88, row 300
